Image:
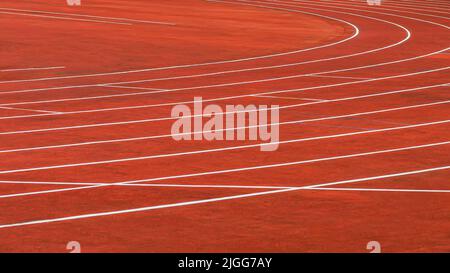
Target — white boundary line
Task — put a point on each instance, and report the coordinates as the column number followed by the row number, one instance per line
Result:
column 90, row 16
column 30, row 110
column 326, row 10
column 382, row 190
column 411, row 5
column 204, row 201
column 355, row 34
column 217, row 149
column 338, row 77
column 190, row 116
column 32, row 68
column 228, row 129
column 142, row 209
column 288, row 98
column 364, row 5
column 316, row 74
column 131, row 87
column 396, row 6
column 63, row 18
column 225, row 98
column 206, row 185
column 204, row 87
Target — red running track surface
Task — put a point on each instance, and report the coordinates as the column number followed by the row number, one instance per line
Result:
column 85, row 101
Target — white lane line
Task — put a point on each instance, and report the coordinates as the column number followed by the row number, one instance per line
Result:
column 234, row 71
column 231, row 97
column 13, row 195
column 224, row 113
column 379, row 177
column 63, row 18
column 419, row 6
column 364, row 6
column 132, row 87
column 208, row 100
column 167, row 135
column 287, row 98
column 396, row 8
column 203, row 201
column 32, row 68
column 50, row 183
column 381, row 190
column 355, row 33
column 292, row 163
column 341, row 12
column 140, row 158
column 92, row 16
column 338, row 77
column 291, row 4
column 407, row 37
column 30, row 110
column 198, row 185
column 143, row 209
column 133, row 183
column 231, row 148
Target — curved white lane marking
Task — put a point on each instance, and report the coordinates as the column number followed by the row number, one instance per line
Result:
column 355, row 34
column 404, row 39
column 320, row 73
column 362, row 5
column 205, row 201
column 162, row 91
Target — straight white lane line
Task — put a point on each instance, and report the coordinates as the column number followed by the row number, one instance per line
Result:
column 170, row 118
column 235, row 97
column 378, row 177
column 338, row 77
column 381, row 190
column 288, row 98
column 199, row 185
column 292, row 163
column 32, row 68
column 131, row 87
column 30, row 110
column 51, row 183
column 63, row 18
column 235, row 147
column 203, row 201
column 91, row 16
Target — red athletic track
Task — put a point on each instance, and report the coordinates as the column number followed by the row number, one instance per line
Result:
column 375, row 148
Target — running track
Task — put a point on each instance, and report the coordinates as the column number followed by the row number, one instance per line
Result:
column 87, row 156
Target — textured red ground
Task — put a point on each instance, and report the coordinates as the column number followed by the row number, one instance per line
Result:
column 377, row 70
